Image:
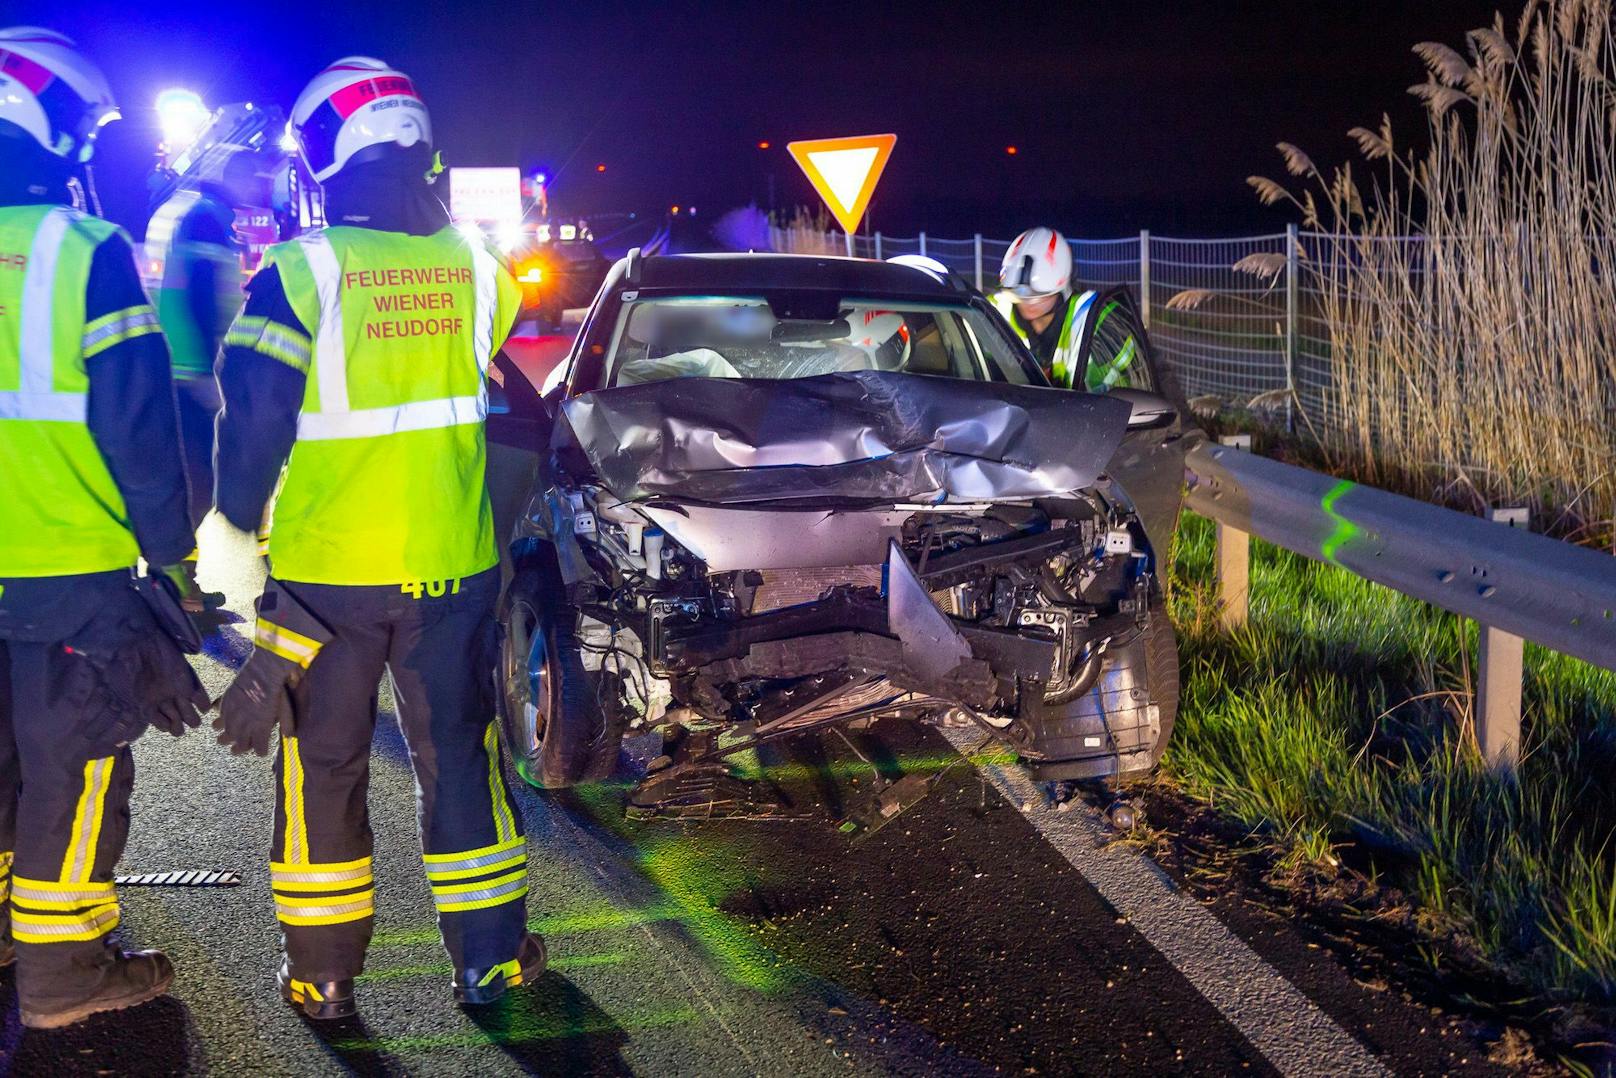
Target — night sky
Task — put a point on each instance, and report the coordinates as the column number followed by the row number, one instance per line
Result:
column 1125, row 115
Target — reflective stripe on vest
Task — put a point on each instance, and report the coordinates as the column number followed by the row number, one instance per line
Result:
column 35, row 397
column 335, row 420
column 1061, row 363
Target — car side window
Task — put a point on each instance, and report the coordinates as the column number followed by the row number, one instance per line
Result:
column 1116, row 353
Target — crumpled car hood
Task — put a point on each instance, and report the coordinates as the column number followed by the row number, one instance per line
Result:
column 862, row 436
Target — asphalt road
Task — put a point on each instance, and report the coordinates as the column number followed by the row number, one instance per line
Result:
column 981, row 932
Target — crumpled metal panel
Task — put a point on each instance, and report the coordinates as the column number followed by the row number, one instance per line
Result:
column 858, row 436
column 779, row 539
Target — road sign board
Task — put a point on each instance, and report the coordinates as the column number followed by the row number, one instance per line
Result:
column 844, row 171
column 485, row 194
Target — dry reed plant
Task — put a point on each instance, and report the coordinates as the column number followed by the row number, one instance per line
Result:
column 805, row 232
column 1470, row 286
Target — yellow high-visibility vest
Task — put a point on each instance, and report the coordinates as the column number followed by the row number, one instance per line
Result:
column 1063, row 363
column 60, row 512
column 385, row 484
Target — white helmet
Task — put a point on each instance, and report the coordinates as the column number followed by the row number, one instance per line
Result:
column 881, row 335
column 355, row 103
column 1038, row 264
column 50, row 91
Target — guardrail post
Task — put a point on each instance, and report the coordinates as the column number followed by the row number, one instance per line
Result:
column 1292, row 298
column 1498, row 689
column 878, row 246
column 1144, row 277
column 979, row 261
column 923, row 243
column 1233, row 560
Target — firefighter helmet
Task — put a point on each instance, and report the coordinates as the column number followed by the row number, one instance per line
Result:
column 51, row 92
column 356, row 103
column 1038, row 263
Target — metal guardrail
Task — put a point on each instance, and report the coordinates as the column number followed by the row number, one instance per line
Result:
column 1515, row 584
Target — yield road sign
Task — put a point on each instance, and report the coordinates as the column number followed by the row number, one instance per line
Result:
column 844, row 171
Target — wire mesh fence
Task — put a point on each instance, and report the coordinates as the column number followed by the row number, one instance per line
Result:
column 1245, row 319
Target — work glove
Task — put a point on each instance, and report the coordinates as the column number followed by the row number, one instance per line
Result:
column 286, row 639
column 193, row 600
column 137, row 677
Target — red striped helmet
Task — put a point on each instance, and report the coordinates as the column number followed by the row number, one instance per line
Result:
column 53, row 93
column 1038, row 263
column 356, row 103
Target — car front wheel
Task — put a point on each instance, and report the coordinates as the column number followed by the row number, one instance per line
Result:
column 557, row 727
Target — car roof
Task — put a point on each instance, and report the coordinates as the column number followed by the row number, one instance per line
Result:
column 765, row 272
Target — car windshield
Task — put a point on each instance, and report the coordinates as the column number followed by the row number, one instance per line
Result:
column 746, row 337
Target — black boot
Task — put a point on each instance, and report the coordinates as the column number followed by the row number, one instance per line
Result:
column 126, row 979
column 475, row 987
column 320, row 1000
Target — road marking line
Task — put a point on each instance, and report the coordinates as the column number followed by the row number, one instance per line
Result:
column 1284, row 1025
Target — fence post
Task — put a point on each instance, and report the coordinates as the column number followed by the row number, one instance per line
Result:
column 878, row 246
column 1233, row 560
column 979, row 261
column 1498, row 678
column 923, row 243
column 1144, row 277
column 1292, row 297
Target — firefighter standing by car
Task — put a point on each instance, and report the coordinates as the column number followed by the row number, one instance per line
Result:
column 1036, row 299
column 360, row 360
column 90, row 480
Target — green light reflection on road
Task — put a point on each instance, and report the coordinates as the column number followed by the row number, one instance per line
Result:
column 607, row 918
column 696, row 879
column 857, row 769
column 444, row 969
column 523, row 1029
column 698, row 872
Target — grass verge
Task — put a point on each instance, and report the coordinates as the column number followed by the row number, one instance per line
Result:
column 1337, row 725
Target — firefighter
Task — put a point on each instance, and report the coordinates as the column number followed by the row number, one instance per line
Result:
column 360, row 360
column 90, row 480
column 1036, row 298
column 197, row 299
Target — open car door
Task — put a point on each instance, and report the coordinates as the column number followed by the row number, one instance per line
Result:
column 1114, row 356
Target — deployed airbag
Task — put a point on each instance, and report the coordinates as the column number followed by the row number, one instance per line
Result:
column 864, row 436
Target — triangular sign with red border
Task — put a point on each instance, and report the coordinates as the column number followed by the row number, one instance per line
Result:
column 844, row 171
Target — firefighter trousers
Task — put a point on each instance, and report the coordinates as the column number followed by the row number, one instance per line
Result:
column 436, row 641
column 64, row 786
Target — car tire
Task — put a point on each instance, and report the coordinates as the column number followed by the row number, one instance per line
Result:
column 1101, row 733
column 561, row 724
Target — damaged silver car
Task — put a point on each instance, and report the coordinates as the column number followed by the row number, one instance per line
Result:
column 778, row 494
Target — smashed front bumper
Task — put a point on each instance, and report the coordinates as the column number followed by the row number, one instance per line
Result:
column 902, row 637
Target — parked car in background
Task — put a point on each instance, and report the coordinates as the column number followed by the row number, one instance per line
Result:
column 559, row 268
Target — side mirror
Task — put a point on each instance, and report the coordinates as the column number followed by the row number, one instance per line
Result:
column 1150, row 410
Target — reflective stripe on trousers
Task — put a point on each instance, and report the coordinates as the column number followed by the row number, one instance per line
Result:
column 71, row 908
column 336, row 420
column 34, row 397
